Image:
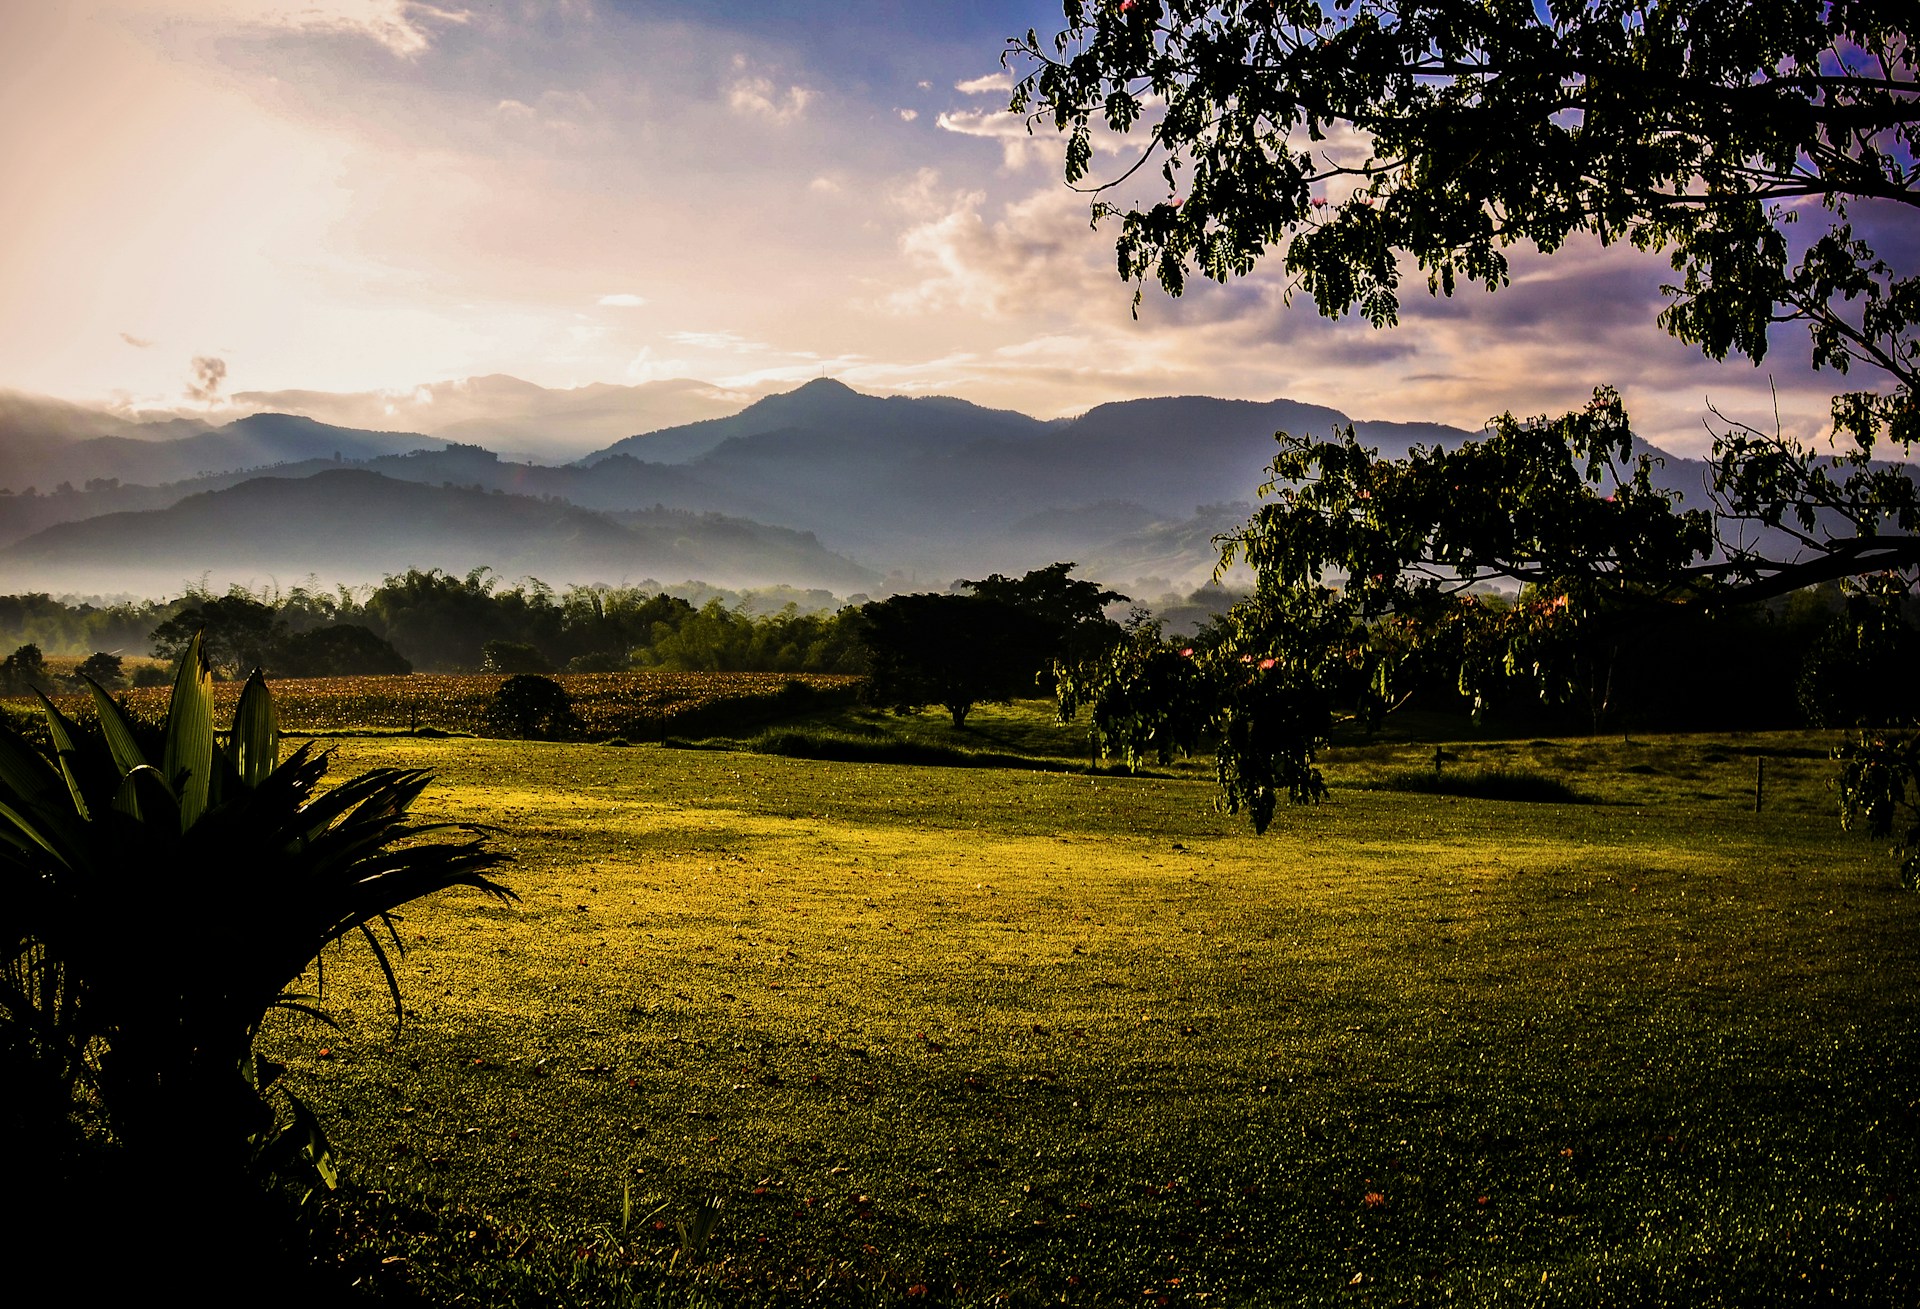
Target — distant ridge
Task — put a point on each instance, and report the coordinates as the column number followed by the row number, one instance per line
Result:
column 356, row 524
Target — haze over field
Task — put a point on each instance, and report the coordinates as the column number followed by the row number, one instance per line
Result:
column 544, row 227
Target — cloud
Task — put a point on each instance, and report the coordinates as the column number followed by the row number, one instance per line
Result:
column 405, row 28
column 622, row 300
column 907, row 115
column 730, row 342
column 138, row 343
column 1000, row 83
column 824, row 185
column 757, row 96
column 1034, row 259
column 208, row 373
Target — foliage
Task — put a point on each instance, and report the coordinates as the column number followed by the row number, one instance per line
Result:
column 102, row 668
column 1344, row 137
column 950, row 650
column 341, row 650
column 1147, row 697
column 1880, row 792
column 512, row 657
column 1356, row 141
column 235, row 630
column 24, row 671
column 1073, row 610
column 166, row 891
column 1004, row 638
column 428, row 620
column 640, row 706
column 1861, row 673
column 537, row 708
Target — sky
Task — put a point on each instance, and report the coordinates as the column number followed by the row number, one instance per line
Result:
column 209, row 199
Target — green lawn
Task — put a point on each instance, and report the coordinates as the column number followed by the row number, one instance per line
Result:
column 992, row 1032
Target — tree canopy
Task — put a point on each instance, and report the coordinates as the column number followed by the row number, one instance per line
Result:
column 1766, row 147
column 1345, row 137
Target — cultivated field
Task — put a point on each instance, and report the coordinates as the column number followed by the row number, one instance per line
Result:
column 957, row 1034
column 639, row 705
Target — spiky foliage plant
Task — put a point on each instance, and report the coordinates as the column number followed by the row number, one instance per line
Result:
column 160, row 893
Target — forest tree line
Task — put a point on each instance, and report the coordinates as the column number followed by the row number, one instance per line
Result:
column 429, row 621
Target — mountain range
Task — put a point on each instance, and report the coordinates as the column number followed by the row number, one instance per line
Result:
column 819, row 487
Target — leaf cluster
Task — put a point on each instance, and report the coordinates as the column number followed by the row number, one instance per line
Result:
column 1343, row 137
column 164, row 889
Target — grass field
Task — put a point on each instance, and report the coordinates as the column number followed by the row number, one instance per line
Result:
column 973, row 1035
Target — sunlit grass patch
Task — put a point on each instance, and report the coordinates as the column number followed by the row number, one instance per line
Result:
column 1043, row 1034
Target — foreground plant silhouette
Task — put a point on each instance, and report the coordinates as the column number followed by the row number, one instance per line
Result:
column 159, row 893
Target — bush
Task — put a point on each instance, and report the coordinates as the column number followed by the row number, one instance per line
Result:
column 103, row 668
column 514, row 658
column 533, row 708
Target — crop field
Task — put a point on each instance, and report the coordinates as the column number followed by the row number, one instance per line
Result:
column 994, row 1035
column 638, row 705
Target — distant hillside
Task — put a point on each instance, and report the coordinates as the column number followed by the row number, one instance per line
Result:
column 930, row 488
column 883, row 425
column 511, row 415
column 356, row 525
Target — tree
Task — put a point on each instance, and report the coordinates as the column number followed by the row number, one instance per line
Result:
column 513, row 657
column 24, row 671
column 103, row 668
column 1073, row 610
column 235, row 631
column 1350, row 135
column 162, row 892
column 1349, row 138
column 950, row 650
column 1148, row 698
column 533, row 708
column 342, row 650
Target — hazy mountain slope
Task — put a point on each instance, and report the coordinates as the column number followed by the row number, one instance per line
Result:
column 354, row 525
column 511, row 415
column 882, row 425
column 36, row 432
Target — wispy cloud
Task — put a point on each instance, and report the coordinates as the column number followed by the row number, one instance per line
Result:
column 1000, row 83
column 759, row 96
column 622, row 300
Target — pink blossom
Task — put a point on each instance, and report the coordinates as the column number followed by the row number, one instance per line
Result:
column 1267, row 663
column 1187, row 653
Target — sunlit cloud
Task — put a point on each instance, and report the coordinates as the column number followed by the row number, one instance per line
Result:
column 137, row 342
column 1000, row 83
column 404, row 28
column 907, row 115
column 622, row 300
column 758, row 96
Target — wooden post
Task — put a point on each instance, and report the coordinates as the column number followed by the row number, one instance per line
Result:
column 1759, row 783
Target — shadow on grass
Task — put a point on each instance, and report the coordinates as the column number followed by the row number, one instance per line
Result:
column 856, row 748
column 1478, row 784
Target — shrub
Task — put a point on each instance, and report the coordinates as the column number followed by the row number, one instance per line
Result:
column 164, row 891
column 535, row 708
